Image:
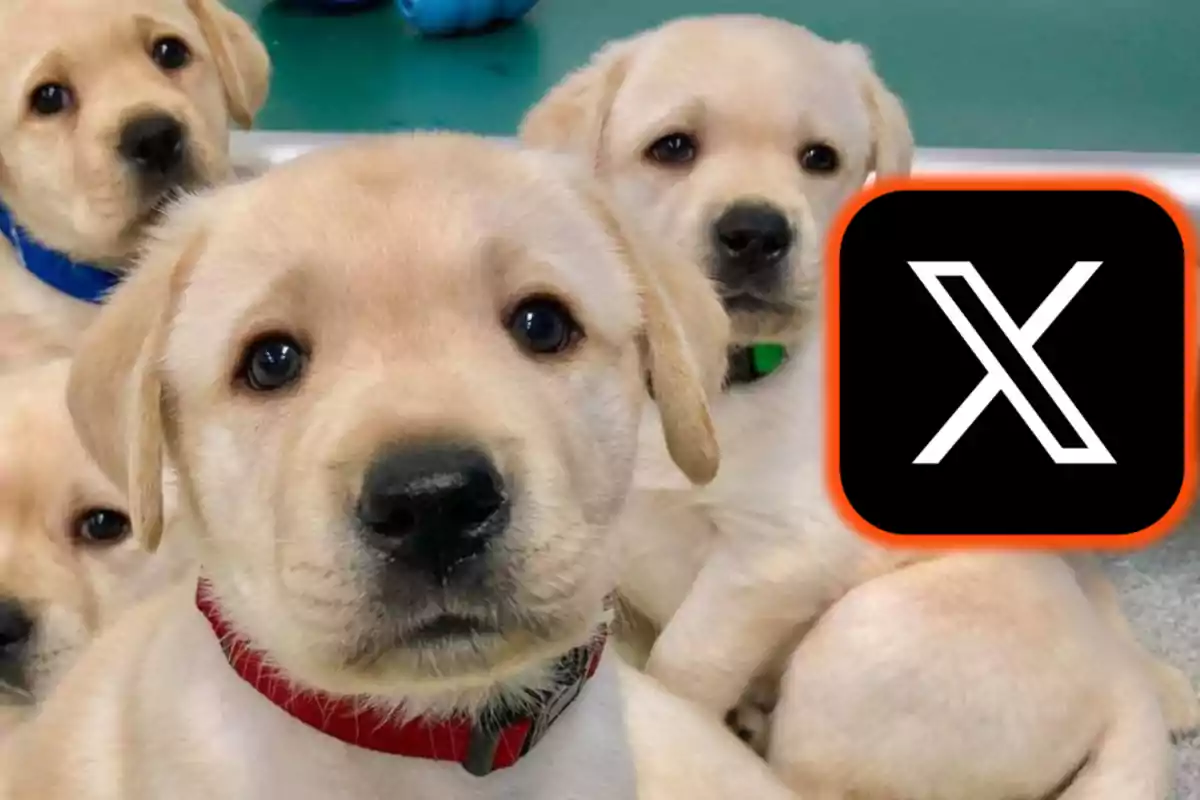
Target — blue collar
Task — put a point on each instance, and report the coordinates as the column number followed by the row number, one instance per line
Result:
column 81, row 281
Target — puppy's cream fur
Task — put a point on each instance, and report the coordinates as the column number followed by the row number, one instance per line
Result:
column 68, row 585
column 61, row 176
column 23, row 342
column 397, row 263
column 731, row 575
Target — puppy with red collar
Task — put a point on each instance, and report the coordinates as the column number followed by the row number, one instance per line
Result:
column 403, row 409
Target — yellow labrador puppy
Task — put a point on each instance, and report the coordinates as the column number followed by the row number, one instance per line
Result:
column 110, row 108
column 737, row 138
column 68, row 563
column 403, row 408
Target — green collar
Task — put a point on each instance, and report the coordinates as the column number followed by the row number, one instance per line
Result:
column 754, row 362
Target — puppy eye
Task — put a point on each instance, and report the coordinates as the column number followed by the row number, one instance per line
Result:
column 49, row 99
column 543, row 326
column 272, row 363
column 673, row 149
column 102, row 526
column 170, row 53
column 819, row 158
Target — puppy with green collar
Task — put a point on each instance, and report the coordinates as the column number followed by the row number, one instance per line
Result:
column 737, row 139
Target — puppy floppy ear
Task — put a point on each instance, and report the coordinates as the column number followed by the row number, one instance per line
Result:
column 241, row 58
column 686, row 335
column 572, row 116
column 892, row 146
column 115, row 391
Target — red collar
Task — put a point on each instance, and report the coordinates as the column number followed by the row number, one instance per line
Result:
column 480, row 748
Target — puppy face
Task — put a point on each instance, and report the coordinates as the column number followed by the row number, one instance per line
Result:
column 403, row 406
column 110, row 107
column 68, row 563
column 736, row 138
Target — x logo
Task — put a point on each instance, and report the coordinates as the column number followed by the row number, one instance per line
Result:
column 997, row 379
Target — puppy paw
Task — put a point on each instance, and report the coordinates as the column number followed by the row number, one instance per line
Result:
column 750, row 719
column 750, row 724
column 1180, row 704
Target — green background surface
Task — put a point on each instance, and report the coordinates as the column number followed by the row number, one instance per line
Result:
column 1057, row 74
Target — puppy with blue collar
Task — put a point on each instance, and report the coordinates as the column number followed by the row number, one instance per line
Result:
column 112, row 108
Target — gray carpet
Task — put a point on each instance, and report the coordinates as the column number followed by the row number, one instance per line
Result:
column 1161, row 592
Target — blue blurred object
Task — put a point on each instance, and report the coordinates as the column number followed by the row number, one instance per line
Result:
column 446, row 17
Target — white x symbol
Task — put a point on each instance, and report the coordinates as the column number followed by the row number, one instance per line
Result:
column 997, row 379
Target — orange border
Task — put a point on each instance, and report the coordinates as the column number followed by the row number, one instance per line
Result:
column 1001, row 183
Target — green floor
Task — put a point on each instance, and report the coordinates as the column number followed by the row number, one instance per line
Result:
column 1063, row 74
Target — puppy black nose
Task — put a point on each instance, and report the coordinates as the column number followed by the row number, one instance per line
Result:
column 16, row 626
column 153, row 145
column 752, row 236
column 433, row 506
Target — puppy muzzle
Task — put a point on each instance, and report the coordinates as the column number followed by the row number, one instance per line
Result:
column 156, row 147
column 16, row 638
column 751, row 243
column 432, row 508
column 752, row 246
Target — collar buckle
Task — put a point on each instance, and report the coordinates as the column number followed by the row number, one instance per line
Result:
column 482, row 745
column 573, row 670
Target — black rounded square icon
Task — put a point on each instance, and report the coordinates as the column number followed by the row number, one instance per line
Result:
column 1012, row 360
